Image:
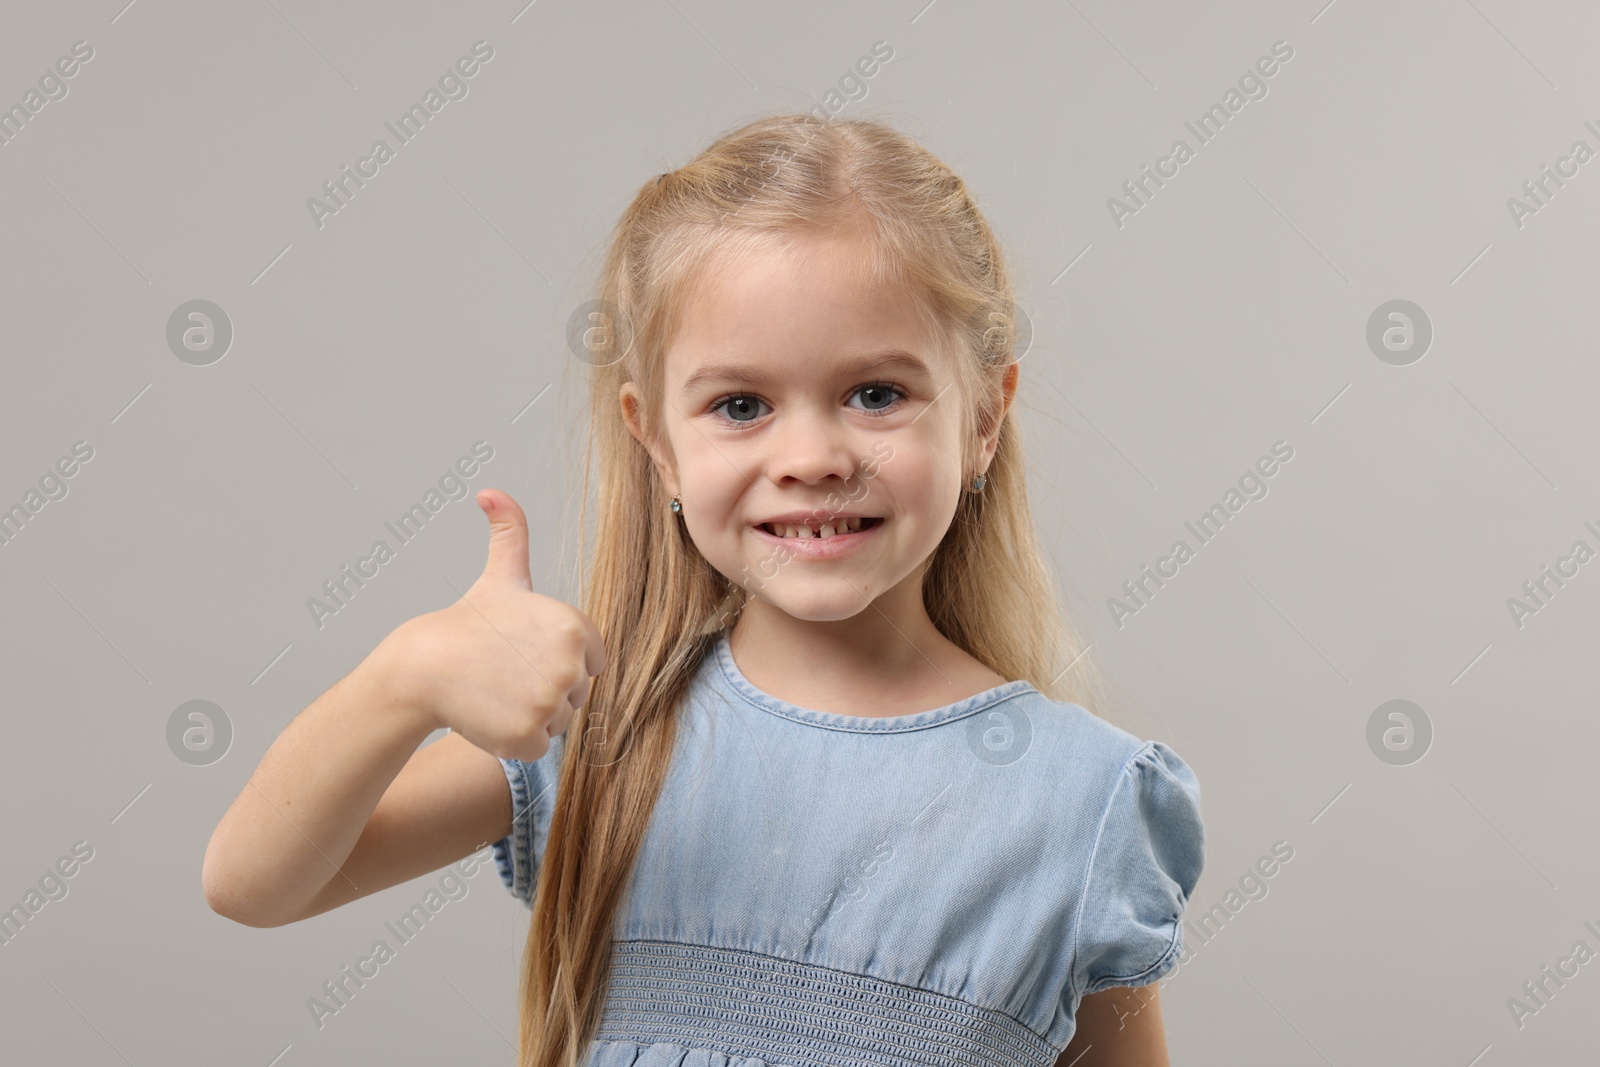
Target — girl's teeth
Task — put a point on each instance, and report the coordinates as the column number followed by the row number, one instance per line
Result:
column 827, row 529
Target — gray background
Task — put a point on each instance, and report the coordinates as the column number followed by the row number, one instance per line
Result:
column 1230, row 312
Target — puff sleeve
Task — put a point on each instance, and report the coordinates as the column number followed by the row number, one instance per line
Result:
column 533, row 797
column 1145, row 863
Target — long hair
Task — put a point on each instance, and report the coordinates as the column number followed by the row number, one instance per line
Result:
column 658, row 603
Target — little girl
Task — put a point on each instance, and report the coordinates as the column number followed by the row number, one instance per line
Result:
column 827, row 805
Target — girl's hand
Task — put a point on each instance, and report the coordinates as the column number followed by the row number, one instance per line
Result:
column 504, row 667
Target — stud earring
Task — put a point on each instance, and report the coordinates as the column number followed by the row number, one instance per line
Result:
column 677, row 506
column 977, row 483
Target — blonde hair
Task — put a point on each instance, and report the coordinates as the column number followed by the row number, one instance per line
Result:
column 658, row 603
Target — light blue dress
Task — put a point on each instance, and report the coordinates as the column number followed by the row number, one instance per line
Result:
column 823, row 890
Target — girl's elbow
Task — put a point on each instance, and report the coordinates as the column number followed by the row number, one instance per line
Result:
column 223, row 892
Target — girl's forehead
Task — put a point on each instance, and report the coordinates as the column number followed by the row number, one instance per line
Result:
column 798, row 265
column 784, row 301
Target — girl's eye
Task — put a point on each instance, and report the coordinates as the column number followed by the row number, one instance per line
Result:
column 742, row 402
column 881, row 394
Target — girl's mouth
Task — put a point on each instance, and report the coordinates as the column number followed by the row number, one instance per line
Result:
column 817, row 543
column 818, row 530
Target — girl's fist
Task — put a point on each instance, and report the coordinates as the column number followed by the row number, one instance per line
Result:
column 504, row 667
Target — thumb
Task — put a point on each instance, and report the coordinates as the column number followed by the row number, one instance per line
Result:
column 508, row 539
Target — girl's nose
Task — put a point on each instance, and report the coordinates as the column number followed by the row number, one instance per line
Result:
column 810, row 446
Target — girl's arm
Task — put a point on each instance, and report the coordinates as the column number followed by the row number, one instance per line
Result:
column 343, row 804
column 1118, row 1027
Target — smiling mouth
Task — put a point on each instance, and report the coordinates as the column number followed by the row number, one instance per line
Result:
column 818, row 530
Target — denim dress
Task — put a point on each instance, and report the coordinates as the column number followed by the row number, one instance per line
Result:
column 821, row 890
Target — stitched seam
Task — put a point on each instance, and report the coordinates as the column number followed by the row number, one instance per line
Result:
column 1094, row 853
column 506, row 847
column 996, row 699
column 1172, row 946
column 741, row 687
column 522, row 828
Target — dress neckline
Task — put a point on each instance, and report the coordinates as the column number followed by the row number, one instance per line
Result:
column 860, row 723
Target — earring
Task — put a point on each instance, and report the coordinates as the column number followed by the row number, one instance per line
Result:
column 677, row 506
column 977, row 483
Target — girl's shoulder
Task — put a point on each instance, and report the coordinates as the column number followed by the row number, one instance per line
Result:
column 1071, row 731
column 1099, row 771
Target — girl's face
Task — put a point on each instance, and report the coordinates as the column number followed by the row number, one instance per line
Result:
column 796, row 388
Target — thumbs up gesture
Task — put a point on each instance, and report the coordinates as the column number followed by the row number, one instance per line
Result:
column 504, row 667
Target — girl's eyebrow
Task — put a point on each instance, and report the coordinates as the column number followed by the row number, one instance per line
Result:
column 758, row 375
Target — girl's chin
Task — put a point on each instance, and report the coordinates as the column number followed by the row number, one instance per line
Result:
column 816, row 596
column 819, row 609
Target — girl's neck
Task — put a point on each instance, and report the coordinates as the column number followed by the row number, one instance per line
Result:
column 868, row 665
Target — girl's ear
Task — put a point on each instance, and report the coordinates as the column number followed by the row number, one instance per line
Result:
column 631, row 400
column 991, row 440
